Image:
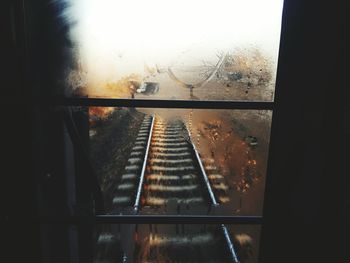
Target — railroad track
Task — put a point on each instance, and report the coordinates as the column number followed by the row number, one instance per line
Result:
column 165, row 174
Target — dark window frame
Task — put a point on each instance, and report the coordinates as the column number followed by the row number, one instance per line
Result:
column 304, row 27
column 155, row 103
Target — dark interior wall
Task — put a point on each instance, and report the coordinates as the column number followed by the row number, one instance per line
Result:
column 17, row 186
column 305, row 188
column 37, row 157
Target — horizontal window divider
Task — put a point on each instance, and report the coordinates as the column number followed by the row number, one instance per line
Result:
column 139, row 219
column 185, row 219
column 153, row 103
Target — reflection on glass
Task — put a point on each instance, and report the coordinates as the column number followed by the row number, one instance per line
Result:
column 180, row 161
column 207, row 50
column 175, row 243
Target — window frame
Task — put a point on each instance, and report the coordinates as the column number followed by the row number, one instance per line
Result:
column 101, row 218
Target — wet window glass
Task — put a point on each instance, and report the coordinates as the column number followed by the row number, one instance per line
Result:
column 156, row 49
column 176, row 243
column 152, row 161
column 180, row 161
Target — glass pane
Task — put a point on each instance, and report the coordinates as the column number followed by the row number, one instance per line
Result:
column 180, row 161
column 176, row 243
column 158, row 49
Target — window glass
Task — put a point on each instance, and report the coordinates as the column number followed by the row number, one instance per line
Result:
column 156, row 49
column 188, row 160
column 176, row 243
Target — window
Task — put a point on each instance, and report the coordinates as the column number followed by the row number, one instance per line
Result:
column 178, row 97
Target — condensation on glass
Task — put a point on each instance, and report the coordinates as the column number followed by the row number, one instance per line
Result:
column 180, row 161
column 198, row 50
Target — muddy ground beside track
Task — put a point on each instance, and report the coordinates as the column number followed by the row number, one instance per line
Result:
column 110, row 147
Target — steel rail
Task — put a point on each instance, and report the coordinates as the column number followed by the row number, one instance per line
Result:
column 205, row 177
column 142, row 176
column 215, row 203
column 230, row 244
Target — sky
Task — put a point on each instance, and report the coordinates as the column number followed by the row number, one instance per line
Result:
column 118, row 37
